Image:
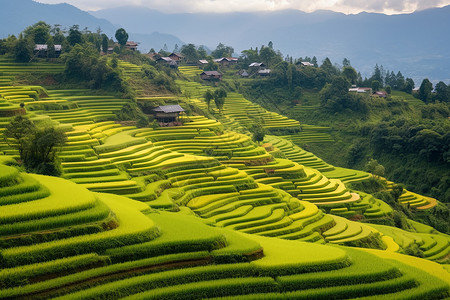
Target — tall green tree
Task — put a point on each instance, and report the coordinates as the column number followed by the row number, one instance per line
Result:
column 121, row 36
column 75, row 36
column 425, row 89
column 258, row 132
column 269, row 56
column 350, row 74
column 442, row 92
column 104, row 43
column 50, row 47
column 17, row 134
column 208, row 96
column 219, row 98
column 38, row 33
column 190, row 53
column 23, row 50
column 37, row 145
column 222, row 51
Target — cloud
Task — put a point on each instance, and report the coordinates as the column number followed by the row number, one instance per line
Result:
column 190, row 6
column 389, row 6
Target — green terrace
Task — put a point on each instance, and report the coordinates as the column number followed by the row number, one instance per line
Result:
column 103, row 245
column 8, row 67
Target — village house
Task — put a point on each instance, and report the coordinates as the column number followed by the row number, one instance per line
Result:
column 306, row 64
column 243, row 73
column 40, row 50
column 380, row 94
column 360, row 90
column 257, row 65
column 168, row 115
column 264, row 72
column 211, row 75
column 178, row 57
column 168, row 61
column 226, row 61
column 131, row 45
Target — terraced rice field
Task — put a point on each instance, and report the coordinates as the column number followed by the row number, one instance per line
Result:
column 128, row 250
column 8, row 67
column 214, row 215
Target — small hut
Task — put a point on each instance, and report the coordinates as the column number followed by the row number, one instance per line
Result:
column 168, row 115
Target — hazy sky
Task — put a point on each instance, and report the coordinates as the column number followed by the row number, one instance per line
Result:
column 345, row 6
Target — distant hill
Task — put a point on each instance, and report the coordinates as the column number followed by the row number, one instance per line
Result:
column 417, row 43
column 16, row 15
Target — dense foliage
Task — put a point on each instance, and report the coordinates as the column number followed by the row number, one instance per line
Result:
column 37, row 144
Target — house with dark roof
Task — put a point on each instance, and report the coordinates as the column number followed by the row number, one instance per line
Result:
column 226, row 61
column 131, row 45
column 211, row 75
column 176, row 56
column 168, row 61
column 168, row 115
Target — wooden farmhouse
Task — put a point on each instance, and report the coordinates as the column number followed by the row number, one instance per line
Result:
column 176, row 56
column 226, row 61
column 131, row 45
column 211, row 75
column 168, row 115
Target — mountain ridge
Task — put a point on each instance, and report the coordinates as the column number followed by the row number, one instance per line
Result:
column 16, row 15
column 365, row 38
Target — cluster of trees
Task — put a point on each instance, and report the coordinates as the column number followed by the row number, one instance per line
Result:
column 84, row 64
column 389, row 80
column 37, row 144
column 22, row 47
column 218, row 96
column 428, row 139
column 441, row 92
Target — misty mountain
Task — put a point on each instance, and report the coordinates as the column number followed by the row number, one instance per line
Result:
column 16, row 15
column 417, row 43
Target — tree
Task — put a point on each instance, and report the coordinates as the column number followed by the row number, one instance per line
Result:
column 211, row 66
column 269, row 56
column 208, row 95
column 378, row 75
column 346, row 63
column 121, row 36
column 23, row 50
column 409, row 85
column 388, row 89
column 75, row 36
column 375, row 85
column 258, row 132
column 219, row 98
column 50, row 48
column 37, row 146
column 314, row 61
column 442, row 92
column 190, row 52
column 425, row 91
column 375, row 168
column 222, row 51
column 350, row 74
column 38, row 33
column 104, row 43
column 41, row 153
column 18, row 130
